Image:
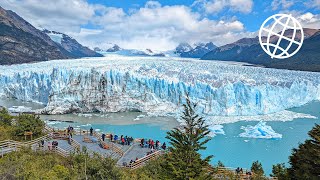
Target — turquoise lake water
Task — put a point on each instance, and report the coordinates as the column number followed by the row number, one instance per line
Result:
column 231, row 149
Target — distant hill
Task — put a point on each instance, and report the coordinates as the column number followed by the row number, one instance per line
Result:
column 20, row 42
column 185, row 50
column 249, row 50
column 73, row 48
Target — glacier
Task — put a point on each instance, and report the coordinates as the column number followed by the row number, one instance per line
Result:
column 157, row 86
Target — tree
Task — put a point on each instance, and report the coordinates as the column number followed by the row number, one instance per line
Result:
column 26, row 122
column 184, row 160
column 220, row 164
column 280, row 171
column 5, row 117
column 305, row 160
column 257, row 169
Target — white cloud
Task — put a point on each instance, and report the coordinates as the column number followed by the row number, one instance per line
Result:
column 56, row 15
column 282, row 4
column 309, row 20
column 152, row 26
column 313, row 4
column 162, row 27
column 215, row 6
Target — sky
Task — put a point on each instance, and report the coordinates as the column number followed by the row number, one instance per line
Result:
column 159, row 25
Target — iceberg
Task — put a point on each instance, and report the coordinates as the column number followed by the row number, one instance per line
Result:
column 216, row 129
column 157, row 86
column 260, row 131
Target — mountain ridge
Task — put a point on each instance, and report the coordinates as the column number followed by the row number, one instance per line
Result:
column 249, row 50
column 20, row 42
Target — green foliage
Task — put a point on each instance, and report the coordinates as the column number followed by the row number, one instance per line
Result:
column 5, row 117
column 305, row 160
column 183, row 160
column 26, row 122
column 13, row 127
column 280, row 171
column 257, row 169
column 27, row 164
column 220, row 164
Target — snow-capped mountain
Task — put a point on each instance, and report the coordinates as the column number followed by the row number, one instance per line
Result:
column 23, row 43
column 200, row 49
column 114, row 48
column 133, row 52
column 69, row 44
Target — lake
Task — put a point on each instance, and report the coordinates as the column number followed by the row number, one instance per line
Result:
column 229, row 148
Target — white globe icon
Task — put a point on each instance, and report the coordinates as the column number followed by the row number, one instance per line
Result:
column 275, row 41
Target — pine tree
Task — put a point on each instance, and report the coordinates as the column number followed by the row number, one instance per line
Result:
column 305, row 160
column 183, row 160
column 257, row 170
column 280, row 171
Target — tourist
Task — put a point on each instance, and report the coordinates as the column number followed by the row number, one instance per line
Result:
column 241, row 170
column 70, row 134
column 164, row 146
column 111, row 137
column 237, row 170
column 42, row 142
column 122, row 140
column 103, row 136
column 146, row 143
column 152, row 144
column 91, row 131
column 115, row 138
column 49, row 146
column 142, row 143
column 126, row 140
column 158, row 144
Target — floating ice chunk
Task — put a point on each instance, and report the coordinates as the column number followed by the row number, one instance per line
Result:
column 139, row 117
column 216, row 129
column 260, row 131
column 20, row 109
column 86, row 125
column 97, row 130
column 53, row 122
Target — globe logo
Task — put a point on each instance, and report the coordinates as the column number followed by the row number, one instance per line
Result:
column 281, row 36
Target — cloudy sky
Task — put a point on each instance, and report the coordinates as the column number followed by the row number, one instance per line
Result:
column 159, row 25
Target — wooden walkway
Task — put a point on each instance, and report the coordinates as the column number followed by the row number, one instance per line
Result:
column 67, row 146
column 123, row 153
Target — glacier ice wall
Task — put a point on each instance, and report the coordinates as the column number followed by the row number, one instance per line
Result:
column 157, row 85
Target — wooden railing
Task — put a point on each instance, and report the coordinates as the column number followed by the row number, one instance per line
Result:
column 37, row 141
column 61, row 151
column 75, row 144
column 111, row 145
column 142, row 161
column 8, row 146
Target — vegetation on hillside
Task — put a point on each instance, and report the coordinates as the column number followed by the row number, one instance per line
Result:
column 14, row 127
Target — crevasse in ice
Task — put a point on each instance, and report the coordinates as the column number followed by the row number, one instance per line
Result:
column 157, row 86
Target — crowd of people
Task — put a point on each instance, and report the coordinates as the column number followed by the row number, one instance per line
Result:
column 144, row 143
column 124, row 140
